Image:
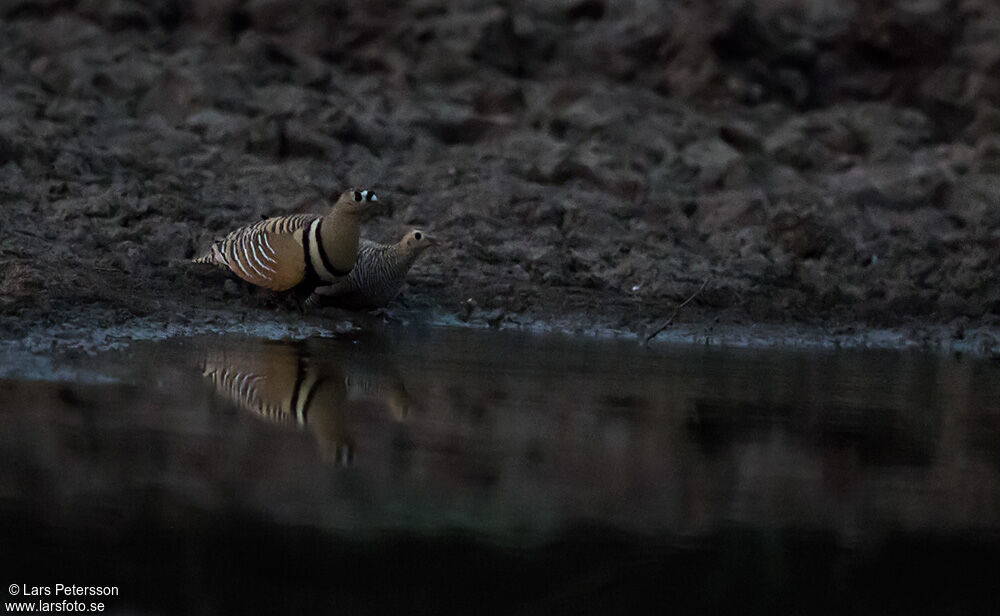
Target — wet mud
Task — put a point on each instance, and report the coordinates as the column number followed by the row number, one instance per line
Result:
column 832, row 169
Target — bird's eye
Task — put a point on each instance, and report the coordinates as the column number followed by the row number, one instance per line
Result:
column 417, row 235
column 357, row 195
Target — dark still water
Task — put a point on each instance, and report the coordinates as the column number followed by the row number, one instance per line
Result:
column 457, row 471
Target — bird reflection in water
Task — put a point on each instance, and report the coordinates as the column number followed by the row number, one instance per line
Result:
column 286, row 384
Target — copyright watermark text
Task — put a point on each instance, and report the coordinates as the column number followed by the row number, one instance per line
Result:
column 33, row 598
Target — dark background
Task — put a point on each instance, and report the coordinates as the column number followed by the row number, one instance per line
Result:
column 587, row 163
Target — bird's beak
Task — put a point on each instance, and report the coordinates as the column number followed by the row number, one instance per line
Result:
column 431, row 240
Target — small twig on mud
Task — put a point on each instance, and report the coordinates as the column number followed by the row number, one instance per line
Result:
column 673, row 316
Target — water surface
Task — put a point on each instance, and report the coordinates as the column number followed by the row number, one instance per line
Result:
column 503, row 472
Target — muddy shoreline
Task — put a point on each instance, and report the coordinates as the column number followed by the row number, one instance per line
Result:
column 833, row 172
column 54, row 349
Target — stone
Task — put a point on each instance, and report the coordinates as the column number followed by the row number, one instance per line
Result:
column 712, row 158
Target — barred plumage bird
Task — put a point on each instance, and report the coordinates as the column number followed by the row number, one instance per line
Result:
column 379, row 273
column 299, row 249
column 278, row 384
column 317, row 392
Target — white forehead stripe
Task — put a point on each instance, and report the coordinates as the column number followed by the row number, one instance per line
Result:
column 364, row 194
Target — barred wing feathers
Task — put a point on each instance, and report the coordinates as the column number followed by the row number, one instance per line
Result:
column 268, row 253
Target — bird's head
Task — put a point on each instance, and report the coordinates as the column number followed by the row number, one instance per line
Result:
column 355, row 200
column 417, row 241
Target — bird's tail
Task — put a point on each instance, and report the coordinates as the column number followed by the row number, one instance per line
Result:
column 213, row 256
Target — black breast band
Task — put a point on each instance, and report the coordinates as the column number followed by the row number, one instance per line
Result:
column 322, row 254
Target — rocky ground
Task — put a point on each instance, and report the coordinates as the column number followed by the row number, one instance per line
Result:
column 588, row 164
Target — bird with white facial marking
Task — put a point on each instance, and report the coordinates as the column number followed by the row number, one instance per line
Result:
column 305, row 250
column 379, row 273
